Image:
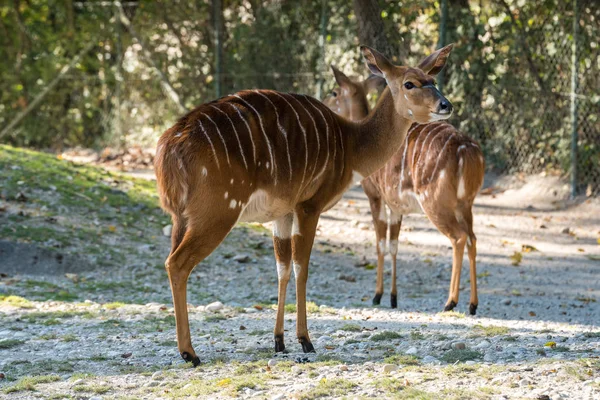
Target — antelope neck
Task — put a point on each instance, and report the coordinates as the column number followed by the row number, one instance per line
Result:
column 374, row 140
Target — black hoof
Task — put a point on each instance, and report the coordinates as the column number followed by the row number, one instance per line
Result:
column 450, row 306
column 279, row 345
column 377, row 300
column 187, row 357
column 307, row 346
column 394, row 301
column 472, row 309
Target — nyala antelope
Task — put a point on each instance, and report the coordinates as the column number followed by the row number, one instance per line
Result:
column 436, row 171
column 261, row 155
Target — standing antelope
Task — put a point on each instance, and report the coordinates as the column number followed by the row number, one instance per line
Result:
column 260, row 155
column 437, row 171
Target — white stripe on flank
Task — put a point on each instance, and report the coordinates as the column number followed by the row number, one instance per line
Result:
column 316, row 134
column 326, row 136
column 221, row 136
column 438, row 129
column 235, row 107
column 331, row 115
column 282, row 130
column 211, row 144
column 265, row 135
column 303, row 131
column 236, row 133
column 440, row 156
column 404, row 156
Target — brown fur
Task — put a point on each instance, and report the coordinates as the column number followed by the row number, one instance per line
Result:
column 267, row 156
column 431, row 163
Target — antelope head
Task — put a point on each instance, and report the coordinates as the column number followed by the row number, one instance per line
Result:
column 416, row 97
column 350, row 98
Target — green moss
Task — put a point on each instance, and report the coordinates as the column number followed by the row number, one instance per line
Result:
column 30, row 382
column 15, row 301
column 351, row 328
column 93, row 388
column 215, row 318
column 10, row 343
column 387, row 335
column 455, row 355
column 113, row 306
column 491, row 331
column 403, row 359
column 327, row 388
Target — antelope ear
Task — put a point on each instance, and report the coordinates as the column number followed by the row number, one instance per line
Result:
column 436, row 61
column 340, row 77
column 377, row 63
column 374, row 83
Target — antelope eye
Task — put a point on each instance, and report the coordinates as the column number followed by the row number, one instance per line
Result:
column 409, row 85
column 334, row 93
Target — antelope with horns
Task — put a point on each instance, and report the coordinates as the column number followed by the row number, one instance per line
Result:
column 437, row 171
column 261, row 155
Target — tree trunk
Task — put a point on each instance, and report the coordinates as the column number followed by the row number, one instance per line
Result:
column 371, row 29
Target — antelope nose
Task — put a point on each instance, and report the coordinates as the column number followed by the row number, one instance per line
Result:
column 444, row 107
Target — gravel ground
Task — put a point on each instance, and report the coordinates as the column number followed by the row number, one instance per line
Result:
column 536, row 334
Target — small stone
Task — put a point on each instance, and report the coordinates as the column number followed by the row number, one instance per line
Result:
column 167, row 230
column 489, row 357
column 272, row 362
column 78, row 382
column 242, row 328
column 411, row 351
column 430, row 360
column 296, row 370
column 96, row 398
column 2, row 376
column 215, row 306
column 459, row 346
column 470, row 362
column 484, row 344
column 506, row 302
column 343, row 367
column 524, row 382
column 279, row 396
column 566, row 231
column 241, row 258
column 387, row 368
column 126, row 355
column 157, row 376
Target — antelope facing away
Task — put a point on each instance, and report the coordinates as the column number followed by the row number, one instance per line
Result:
column 436, row 171
column 261, row 155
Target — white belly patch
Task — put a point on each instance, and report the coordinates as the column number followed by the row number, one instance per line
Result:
column 263, row 208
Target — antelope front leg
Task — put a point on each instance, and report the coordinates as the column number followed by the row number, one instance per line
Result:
column 305, row 225
column 393, row 248
column 282, row 244
column 379, row 214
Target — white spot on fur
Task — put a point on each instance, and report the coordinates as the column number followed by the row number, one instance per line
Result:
column 438, row 117
column 469, row 243
column 226, row 195
column 393, row 247
column 204, row 171
column 381, row 246
column 178, row 134
column 461, row 188
column 267, row 165
column 231, row 181
column 442, row 174
column 282, row 228
column 461, row 147
column 382, row 214
column 232, row 204
column 405, row 96
column 282, row 270
column 295, row 231
column 410, row 112
column 259, row 163
column 297, row 268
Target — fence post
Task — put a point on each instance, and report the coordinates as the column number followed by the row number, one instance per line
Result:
column 322, row 38
column 442, row 40
column 574, row 73
column 217, row 12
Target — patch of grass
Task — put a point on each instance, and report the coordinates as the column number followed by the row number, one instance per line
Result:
column 15, row 301
column 51, row 322
column 491, row 330
column 290, row 308
column 167, row 343
column 351, row 328
column 10, row 343
column 403, row 359
column 329, row 388
column 33, row 317
column 215, row 318
column 416, row 335
column 93, row 388
column 454, row 355
column 591, row 335
column 452, row 314
column 113, row 305
column 48, row 336
column 312, row 307
column 69, row 338
column 29, row 382
column 387, row 335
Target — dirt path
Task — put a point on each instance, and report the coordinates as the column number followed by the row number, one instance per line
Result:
column 536, row 333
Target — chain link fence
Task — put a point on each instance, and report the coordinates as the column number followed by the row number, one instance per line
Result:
column 525, row 76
